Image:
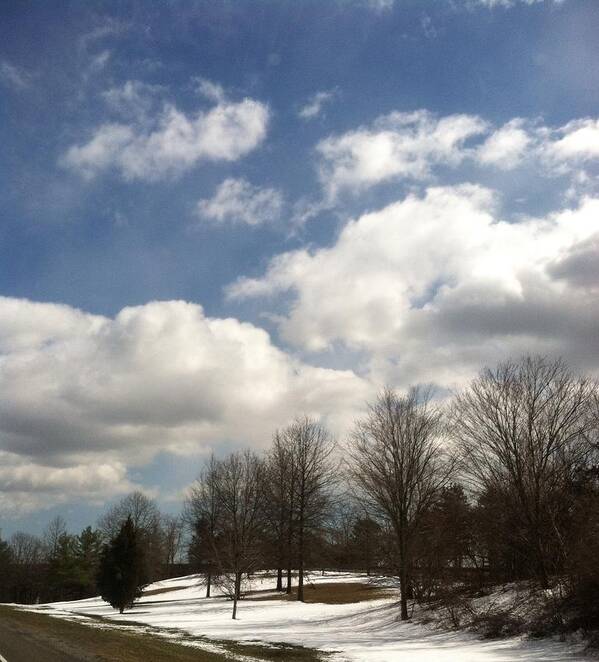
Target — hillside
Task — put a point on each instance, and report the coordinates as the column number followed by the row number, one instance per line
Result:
column 366, row 630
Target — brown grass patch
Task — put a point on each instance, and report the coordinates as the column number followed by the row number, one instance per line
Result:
column 109, row 644
column 333, row 593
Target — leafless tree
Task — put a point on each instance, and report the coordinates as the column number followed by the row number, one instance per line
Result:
column 399, row 465
column 27, row 550
column 524, row 430
column 310, row 448
column 279, row 492
column 201, row 514
column 172, row 530
column 240, row 502
column 143, row 512
column 51, row 539
column 146, row 519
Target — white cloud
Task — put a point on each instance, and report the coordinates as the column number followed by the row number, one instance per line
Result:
column 506, row 147
column 237, row 201
column 133, row 99
column 506, row 4
column 14, row 76
column 210, row 90
column 416, row 146
column 316, row 104
column 27, row 486
column 172, row 142
column 577, row 141
column 397, row 145
column 432, row 287
column 84, row 391
column 380, row 6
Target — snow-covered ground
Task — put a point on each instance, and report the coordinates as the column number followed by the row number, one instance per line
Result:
column 362, row 632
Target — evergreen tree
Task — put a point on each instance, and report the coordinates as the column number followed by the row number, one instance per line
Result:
column 89, row 548
column 63, row 569
column 5, row 570
column 121, row 575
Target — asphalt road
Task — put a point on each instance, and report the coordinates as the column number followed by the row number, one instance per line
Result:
column 18, row 645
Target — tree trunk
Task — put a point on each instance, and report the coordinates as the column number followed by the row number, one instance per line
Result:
column 300, row 577
column 403, row 576
column 208, row 583
column 403, row 580
column 289, row 556
column 236, row 592
column 280, row 577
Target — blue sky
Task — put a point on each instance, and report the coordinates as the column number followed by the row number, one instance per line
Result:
column 218, row 215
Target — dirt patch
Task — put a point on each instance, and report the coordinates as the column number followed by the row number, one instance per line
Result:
column 334, row 593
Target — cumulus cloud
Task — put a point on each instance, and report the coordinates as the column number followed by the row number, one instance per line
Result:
column 316, row 104
column 580, row 265
column 237, row 201
column 170, row 142
column 440, row 284
column 27, row 486
column 396, row 145
column 84, row 391
column 506, row 147
column 415, row 146
column 578, row 140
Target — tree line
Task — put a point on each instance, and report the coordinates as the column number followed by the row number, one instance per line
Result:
column 496, row 484
column 63, row 566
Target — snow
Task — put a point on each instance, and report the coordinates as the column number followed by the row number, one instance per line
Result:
column 360, row 632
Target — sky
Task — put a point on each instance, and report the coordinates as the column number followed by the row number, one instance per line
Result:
column 216, row 216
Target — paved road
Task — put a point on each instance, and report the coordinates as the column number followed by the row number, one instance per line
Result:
column 17, row 644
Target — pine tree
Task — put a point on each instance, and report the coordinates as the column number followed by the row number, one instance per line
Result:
column 6, row 560
column 121, row 575
column 89, row 548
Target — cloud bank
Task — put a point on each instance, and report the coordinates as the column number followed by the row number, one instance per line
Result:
column 418, row 145
column 84, row 396
column 433, row 286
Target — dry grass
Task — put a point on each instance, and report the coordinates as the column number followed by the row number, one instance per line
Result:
column 334, row 593
column 108, row 644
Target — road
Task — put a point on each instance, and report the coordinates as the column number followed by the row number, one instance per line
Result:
column 20, row 644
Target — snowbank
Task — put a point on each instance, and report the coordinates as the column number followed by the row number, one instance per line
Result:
column 362, row 632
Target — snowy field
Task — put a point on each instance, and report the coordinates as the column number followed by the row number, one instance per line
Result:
column 360, row 632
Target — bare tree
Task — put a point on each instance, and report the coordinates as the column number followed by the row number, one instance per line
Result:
column 201, row 515
column 27, row 550
column 240, row 501
column 51, row 538
column 279, row 487
column 143, row 511
column 524, row 431
column 310, row 447
column 146, row 518
column 399, row 465
column 172, row 529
